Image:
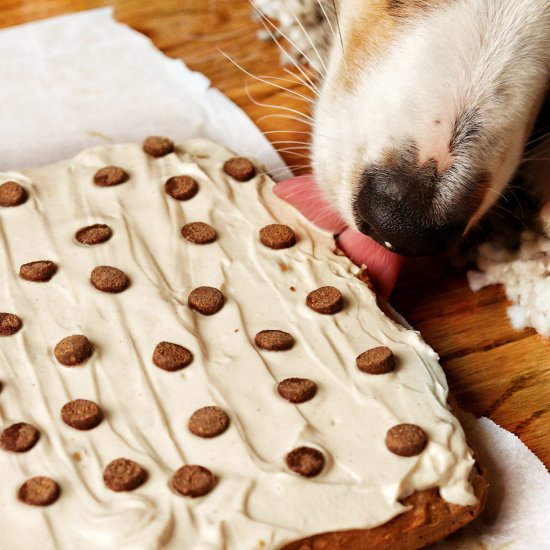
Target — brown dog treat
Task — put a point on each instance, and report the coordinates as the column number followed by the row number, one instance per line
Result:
column 19, row 438
column 377, row 360
column 171, row 357
column 39, row 272
column 109, row 279
column 123, row 474
column 306, row 461
column 240, row 169
column 208, row 422
column 406, row 440
column 277, row 236
column 297, row 390
column 39, row 491
column 206, row 300
column 158, row 146
column 193, row 481
column 81, row 414
column 327, row 300
column 198, row 233
column 274, row 340
column 181, row 188
column 73, row 350
column 9, row 324
column 12, row 194
column 94, row 234
column 110, row 175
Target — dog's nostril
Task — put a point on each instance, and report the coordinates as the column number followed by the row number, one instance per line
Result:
column 398, row 211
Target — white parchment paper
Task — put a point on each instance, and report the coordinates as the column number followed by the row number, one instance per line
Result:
column 82, row 80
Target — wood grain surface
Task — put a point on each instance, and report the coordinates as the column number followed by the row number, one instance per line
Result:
column 492, row 369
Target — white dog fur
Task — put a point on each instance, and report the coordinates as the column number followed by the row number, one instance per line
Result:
column 487, row 61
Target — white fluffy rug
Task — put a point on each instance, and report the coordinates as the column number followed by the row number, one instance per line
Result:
column 525, row 276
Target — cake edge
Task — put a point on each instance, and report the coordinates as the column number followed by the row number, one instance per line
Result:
column 430, row 519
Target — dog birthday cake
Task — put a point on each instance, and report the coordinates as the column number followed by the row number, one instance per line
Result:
column 185, row 363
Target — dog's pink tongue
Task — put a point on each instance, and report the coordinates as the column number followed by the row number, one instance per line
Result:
column 304, row 195
column 383, row 265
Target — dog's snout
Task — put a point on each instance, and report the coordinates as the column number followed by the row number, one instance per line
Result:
column 399, row 209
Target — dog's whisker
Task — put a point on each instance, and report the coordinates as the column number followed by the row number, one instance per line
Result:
column 288, row 117
column 297, row 99
column 265, row 22
column 285, row 132
column 291, row 167
column 267, row 78
column 337, row 19
column 498, row 193
column 290, row 81
column 297, row 19
column 262, row 79
column 329, row 22
column 291, row 152
column 309, row 133
column 302, row 144
column 545, row 134
column 277, row 107
column 311, row 86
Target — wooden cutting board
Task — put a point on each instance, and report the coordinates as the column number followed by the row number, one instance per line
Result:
column 493, row 370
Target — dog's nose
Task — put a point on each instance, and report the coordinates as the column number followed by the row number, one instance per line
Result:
column 398, row 209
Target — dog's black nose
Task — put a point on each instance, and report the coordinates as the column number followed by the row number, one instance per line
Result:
column 402, row 209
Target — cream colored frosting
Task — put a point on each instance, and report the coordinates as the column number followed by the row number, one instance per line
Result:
column 257, row 502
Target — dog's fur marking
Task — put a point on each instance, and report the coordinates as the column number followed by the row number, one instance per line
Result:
column 406, row 8
column 374, row 26
column 360, row 47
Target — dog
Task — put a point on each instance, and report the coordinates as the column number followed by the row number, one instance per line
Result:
column 424, row 111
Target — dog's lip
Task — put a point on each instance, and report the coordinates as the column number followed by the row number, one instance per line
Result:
column 366, row 229
column 383, row 265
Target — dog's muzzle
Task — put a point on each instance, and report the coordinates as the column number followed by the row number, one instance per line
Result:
column 400, row 209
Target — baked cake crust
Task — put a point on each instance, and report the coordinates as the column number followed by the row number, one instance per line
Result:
column 429, row 520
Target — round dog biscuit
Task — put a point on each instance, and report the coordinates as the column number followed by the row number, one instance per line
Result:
column 297, row 390
column 73, row 350
column 38, row 272
column 171, row 357
column 274, row 340
column 181, row 188
column 9, row 324
column 277, row 236
column 158, row 146
column 306, row 461
column 208, row 422
column 406, row 440
column 206, row 300
column 12, row 194
column 109, row 176
column 81, row 414
column 39, row 491
column 193, row 481
column 326, row 300
column 377, row 360
column 109, row 279
column 123, row 474
column 240, row 169
column 19, row 438
column 94, row 234
column 198, row 233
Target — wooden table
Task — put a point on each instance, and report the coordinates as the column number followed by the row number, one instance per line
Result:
column 492, row 369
